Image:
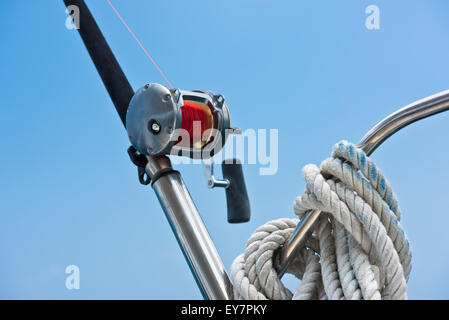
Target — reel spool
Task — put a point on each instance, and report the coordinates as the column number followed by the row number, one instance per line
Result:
column 163, row 121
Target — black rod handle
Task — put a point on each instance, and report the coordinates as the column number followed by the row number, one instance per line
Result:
column 107, row 66
column 236, row 194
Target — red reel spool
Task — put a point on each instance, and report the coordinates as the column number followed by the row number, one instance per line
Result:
column 161, row 121
column 197, row 117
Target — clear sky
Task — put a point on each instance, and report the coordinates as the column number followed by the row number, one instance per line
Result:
column 70, row 195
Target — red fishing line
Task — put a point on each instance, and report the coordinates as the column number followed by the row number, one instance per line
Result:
column 140, row 44
column 196, row 112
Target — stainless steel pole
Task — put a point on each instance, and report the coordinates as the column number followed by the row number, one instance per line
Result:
column 379, row 133
column 189, row 230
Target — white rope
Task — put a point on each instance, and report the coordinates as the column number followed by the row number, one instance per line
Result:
column 358, row 249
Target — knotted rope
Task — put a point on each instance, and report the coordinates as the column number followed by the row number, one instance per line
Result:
column 358, row 249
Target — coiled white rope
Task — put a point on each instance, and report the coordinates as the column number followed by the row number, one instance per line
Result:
column 358, row 249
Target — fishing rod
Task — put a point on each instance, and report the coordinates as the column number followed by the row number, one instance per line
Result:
column 152, row 116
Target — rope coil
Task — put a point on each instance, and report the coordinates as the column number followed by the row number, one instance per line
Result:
column 358, row 250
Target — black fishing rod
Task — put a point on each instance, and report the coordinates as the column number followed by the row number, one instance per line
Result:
column 104, row 60
column 152, row 116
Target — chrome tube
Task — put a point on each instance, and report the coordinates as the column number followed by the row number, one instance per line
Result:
column 403, row 117
column 188, row 227
column 379, row 133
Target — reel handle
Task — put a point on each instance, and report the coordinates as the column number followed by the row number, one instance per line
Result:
column 236, row 195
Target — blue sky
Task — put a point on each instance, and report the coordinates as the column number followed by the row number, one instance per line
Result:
column 69, row 194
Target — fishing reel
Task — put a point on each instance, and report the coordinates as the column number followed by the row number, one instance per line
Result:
column 196, row 124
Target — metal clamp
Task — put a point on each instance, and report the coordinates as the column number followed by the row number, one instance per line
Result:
column 140, row 161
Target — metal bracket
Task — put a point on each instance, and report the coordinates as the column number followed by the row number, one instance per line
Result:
column 140, row 161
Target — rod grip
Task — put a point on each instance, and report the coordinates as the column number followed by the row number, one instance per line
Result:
column 236, row 194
